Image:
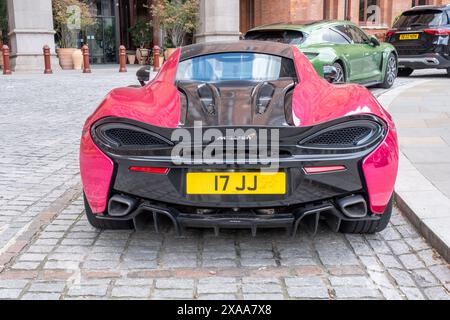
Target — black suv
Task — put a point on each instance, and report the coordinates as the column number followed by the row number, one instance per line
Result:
column 421, row 37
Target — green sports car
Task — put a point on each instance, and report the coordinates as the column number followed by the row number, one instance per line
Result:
column 357, row 57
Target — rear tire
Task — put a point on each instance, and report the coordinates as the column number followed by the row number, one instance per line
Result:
column 105, row 224
column 368, row 227
column 391, row 72
column 448, row 72
column 405, row 72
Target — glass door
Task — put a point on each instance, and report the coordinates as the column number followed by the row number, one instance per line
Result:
column 101, row 36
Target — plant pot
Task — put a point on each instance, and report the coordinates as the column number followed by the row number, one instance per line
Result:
column 1, row 60
column 142, row 55
column 131, row 58
column 65, row 58
column 77, row 57
column 169, row 52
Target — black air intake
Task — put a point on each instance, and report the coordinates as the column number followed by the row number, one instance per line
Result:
column 128, row 137
column 352, row 134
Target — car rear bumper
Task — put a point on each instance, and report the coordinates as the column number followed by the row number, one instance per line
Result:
column 424, row 61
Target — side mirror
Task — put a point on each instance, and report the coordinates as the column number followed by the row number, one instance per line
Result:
column 374, row 41
column 143, row 75
column 330, row 73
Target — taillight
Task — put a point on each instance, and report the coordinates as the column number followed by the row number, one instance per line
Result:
column 153, row 170
column 437, row 32
column 390, row 33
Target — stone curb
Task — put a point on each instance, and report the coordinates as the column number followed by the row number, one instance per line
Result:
column 422, row 203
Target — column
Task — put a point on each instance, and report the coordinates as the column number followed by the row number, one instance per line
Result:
column 30, row 28
column 219, row 21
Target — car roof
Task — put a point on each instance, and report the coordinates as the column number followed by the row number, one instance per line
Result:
column 265, row 47
column 304, row 26
column 429, row 7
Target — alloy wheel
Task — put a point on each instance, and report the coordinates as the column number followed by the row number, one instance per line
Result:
column 391, row 71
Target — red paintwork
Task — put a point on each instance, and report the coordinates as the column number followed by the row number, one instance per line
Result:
column 96, row 172
column 314, row 101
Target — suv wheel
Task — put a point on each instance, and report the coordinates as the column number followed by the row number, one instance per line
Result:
column 405, row 72
column 448, row 72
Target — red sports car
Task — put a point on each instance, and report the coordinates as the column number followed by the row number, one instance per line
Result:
column 239, row 135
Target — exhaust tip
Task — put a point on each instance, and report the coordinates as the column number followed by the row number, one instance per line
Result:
column 353, row 206
column 120, row 206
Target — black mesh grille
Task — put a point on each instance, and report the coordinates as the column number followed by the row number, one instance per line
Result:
column 127, row 137
column 340, row 137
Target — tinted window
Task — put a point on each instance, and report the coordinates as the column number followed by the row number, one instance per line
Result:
column 282, row 36
column 354, row 34
column 235, row 66
column 325, row 35
column 424, row 18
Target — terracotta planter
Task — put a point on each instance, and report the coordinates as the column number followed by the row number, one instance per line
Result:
column 142, row 55
column 131, row 58
column 77, row 57
column 65, row 58
column 1, row 60
column 169, row 52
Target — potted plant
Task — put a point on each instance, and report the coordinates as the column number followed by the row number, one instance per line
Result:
column 178, row 18
column 3, row 28
column 70, row 16
column 141, row 34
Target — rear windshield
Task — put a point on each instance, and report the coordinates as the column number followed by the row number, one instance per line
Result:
column 426, row 18
column 282, row 36
column 235, row 66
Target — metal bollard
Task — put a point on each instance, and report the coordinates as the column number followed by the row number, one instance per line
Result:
column 86, row 65
column 156, row 65
column 122, row 59
column 6, row 65
column 48, row 65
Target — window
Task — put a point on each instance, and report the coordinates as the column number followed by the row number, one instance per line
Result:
column 422, row 18
column 369, row 12
column 236, row 66
column 419, row 3
column 325, row 35
column 355, row 34
column 282, row 36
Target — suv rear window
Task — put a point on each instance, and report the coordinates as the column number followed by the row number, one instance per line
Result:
column 426, row 18
column 282, row 36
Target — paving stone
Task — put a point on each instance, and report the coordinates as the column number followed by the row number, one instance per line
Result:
column 399, row 247
column 389, row 261
column 412, row 293
column 174, row 284
column 402, row 278
column 41, row 296
column 304, row 281
column 172, row 294
column 132, row 292
column 437, row 293
column 47, row 287
column 358, row 281
column 13, row 284
column 411, row 261
column 10, row 293
column 356, row 292
column 442, row 272
column 263, row 296
column 219, row 297
column 88, row 290
column 308, row 292
column 430, row 257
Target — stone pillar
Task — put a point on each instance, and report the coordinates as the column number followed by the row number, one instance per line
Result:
column 30, row 28
column 219, row 21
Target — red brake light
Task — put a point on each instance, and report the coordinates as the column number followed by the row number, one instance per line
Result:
column 437, row 32
column 390, row 33
column 327, row 169
column 150, row 170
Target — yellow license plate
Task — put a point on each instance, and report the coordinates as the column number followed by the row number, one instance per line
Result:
column 235, row 183
column 409, row 36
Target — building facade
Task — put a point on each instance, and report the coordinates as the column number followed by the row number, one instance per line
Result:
column 376, row 16
column 31, row 23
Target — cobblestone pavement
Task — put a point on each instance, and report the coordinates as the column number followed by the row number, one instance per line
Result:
column 49, row 251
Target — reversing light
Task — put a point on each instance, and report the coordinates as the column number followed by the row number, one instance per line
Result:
column 437, row 32
column 153, row 170
column 326, row 169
